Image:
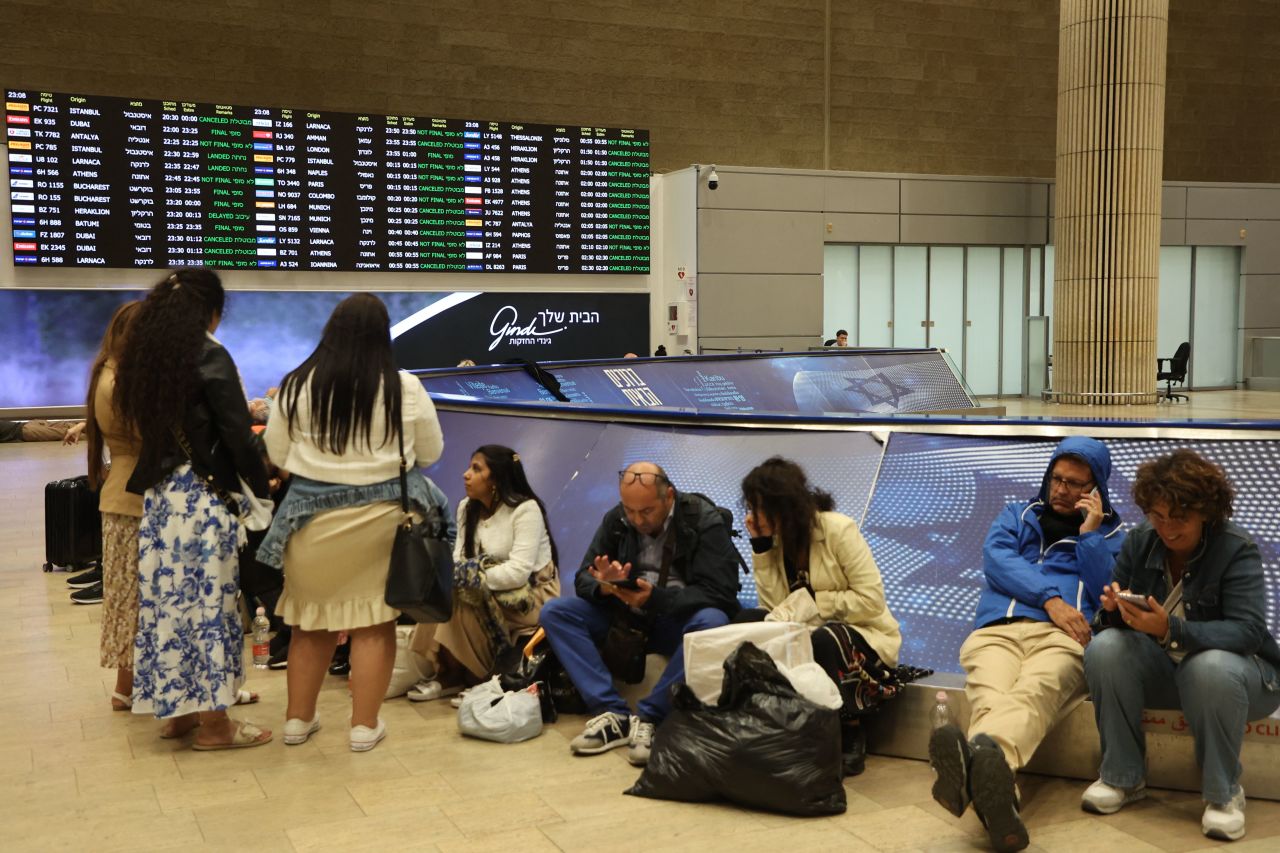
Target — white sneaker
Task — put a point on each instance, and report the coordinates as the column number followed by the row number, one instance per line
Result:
column 1101, row 798
column 364, row 738
column 641, row 743
column 1226, row 821
column 297, row 731
column 425, row 691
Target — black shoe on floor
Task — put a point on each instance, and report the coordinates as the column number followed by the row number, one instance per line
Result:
column 86, row 579
column 950, row 756
column 995, row 796
column 279, row 649
column 341, row 663
column 88, row 595
column 853, row 749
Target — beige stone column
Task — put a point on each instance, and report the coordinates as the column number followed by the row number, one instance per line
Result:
column 1111, row 85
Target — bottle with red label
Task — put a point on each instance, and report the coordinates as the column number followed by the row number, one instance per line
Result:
column 261, row 639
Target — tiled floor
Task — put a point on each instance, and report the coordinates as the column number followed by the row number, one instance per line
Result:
column 75, row 775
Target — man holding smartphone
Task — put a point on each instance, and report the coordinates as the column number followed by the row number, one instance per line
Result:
column 660, row 565
column 1045, row 563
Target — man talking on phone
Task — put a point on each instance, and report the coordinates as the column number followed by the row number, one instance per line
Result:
column 660, row 565
column 1045, row 563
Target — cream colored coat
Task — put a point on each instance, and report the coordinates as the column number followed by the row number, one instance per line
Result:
column 845, row 579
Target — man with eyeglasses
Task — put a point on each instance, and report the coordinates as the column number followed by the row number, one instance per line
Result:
column 660, row 565
column 1046, row 563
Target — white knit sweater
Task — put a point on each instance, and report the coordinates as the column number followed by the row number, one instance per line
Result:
column 357, row 465
column 515, row 536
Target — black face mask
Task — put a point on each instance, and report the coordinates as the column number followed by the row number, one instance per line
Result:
column 1057, row 525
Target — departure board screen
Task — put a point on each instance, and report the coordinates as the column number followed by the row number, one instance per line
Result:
column 116, row 182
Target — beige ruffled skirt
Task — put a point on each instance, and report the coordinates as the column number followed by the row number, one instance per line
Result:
column 335, row 569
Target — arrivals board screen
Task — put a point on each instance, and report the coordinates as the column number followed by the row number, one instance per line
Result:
column 118, row 182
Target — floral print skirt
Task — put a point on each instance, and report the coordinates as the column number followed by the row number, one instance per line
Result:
column 119, row 590
column 190, row 642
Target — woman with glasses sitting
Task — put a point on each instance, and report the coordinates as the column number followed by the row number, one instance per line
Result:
column 1182, row 627
column 504, row 571
column 812, row 565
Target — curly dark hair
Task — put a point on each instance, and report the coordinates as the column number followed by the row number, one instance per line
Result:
column 779, row 489
column 157, row 377
column 507, row 473
column 1185, row 481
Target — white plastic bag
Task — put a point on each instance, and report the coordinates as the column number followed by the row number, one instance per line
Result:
column 490, row 714
column 799, row 606
column 705, row 651
column 410, row 666
column 812, row 682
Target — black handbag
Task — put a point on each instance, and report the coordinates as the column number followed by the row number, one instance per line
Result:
column 420, row 577
column 625, row 647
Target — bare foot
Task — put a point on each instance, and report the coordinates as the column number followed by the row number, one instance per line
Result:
column 179, row 726
column 228, row 733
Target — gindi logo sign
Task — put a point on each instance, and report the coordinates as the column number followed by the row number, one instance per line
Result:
column 505, row 325
column 495, row 327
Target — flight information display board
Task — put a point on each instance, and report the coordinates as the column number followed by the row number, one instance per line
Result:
column 116, row 182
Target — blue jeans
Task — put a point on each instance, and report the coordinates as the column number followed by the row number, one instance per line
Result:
column 1217, row 691
column 576, row 628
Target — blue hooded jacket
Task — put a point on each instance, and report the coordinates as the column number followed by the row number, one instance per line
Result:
column 1022, row 574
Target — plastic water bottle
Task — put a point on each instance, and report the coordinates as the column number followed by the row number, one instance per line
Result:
column 261, row 639
column 941, row 713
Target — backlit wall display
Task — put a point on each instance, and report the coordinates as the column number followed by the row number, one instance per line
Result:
column 52, row 336
column 834, row 382
column 118, row 182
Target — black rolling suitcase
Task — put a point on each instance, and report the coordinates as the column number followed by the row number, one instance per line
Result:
column 72, row 525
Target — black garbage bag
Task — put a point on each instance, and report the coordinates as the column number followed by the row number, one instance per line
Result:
column 762, row 745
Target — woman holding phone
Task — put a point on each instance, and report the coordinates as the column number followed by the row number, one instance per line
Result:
column 1182, row 627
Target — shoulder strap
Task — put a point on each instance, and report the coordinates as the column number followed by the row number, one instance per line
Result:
column 404, row 476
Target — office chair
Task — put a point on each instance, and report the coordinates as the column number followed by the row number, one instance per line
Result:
column 1177, row 371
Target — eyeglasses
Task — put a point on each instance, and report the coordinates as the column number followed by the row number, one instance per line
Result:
column 1070, row 485
column 645, row 478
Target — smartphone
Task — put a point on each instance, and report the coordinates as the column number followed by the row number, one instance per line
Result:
column 623, row 583
column 1139, row 601
column 1084, row 513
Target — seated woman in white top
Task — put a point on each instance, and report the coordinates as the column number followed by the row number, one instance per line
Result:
column 504, row 571
column 337, row 430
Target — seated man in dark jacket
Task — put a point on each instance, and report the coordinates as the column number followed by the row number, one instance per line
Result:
column 673, row 552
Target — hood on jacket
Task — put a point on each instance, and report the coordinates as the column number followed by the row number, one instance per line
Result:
column 1094, row 453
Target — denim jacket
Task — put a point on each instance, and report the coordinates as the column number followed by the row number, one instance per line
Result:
column 308, row 497
column 1223, row 590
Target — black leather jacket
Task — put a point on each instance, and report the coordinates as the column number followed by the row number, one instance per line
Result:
column 219, row 431
column 704, row 557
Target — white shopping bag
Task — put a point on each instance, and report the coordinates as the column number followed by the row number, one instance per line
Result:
column 410, row 667
column 812, row 682
column 505, row 717
column 705, row 651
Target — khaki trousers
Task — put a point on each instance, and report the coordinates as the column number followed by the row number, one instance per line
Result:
column 46, row 430
column 466, row 638
column 1022, row 679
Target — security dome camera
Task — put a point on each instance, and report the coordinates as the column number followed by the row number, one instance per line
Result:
column 713, row 180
